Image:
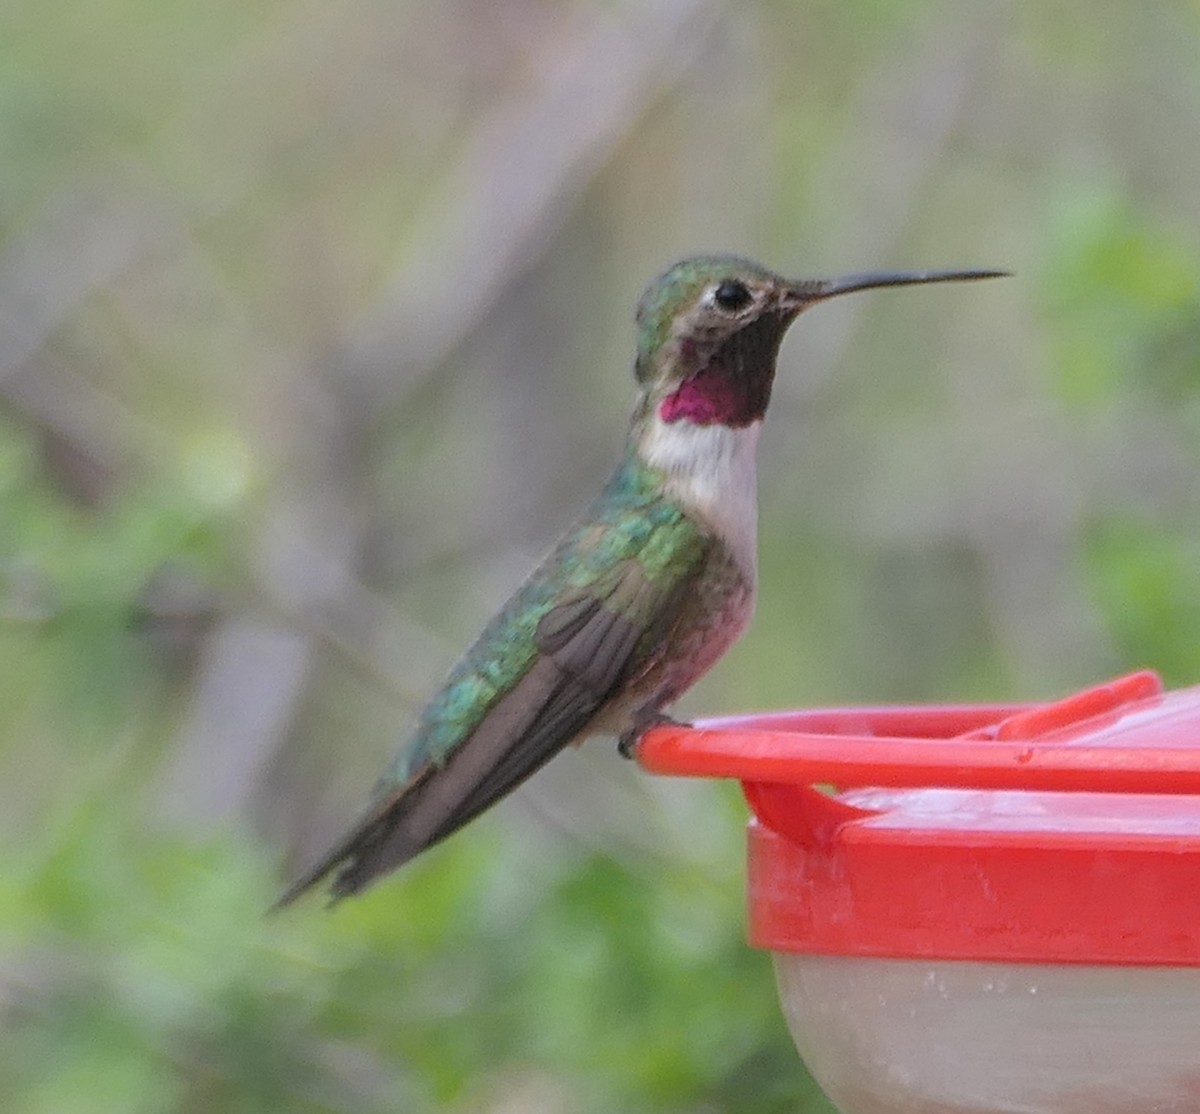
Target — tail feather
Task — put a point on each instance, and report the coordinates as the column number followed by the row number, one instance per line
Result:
column 358, row 858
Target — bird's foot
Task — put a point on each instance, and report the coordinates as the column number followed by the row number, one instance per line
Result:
column 628, row 741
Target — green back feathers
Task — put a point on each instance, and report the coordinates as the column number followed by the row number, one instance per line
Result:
column 630, row 520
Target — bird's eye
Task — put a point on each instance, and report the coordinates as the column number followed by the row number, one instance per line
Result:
column 731, row 295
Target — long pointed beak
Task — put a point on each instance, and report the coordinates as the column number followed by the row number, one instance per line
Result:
column 805, row 293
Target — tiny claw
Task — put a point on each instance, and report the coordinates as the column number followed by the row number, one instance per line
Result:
column 628, row 740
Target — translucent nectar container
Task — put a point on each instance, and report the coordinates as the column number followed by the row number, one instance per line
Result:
column 991, row 909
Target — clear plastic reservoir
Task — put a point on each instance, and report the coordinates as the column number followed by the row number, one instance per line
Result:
column 914, row 1036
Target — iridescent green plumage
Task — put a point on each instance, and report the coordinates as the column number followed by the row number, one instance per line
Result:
column 577, row 643
column 629, row 520
column 682, row 286
column 639, row 598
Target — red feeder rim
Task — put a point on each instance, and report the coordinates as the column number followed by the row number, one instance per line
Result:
column 1064, row 832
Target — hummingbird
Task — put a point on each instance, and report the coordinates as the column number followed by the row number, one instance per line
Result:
column 640, row 597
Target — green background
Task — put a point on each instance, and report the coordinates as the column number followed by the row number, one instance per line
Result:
column 315, row 329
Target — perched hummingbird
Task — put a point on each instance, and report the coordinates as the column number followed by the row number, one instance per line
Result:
column 640, row 597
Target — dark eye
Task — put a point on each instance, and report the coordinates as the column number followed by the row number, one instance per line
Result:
column 731, row 295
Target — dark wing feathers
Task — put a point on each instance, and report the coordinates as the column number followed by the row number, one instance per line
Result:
column 518, row 735
column 589, row 640
column 561, row 716
column 584, row 650
column 585, row 647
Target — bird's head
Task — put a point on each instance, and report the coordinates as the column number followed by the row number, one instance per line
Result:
column 710, row 327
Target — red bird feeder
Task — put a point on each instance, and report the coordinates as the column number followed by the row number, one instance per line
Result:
column 984, row 908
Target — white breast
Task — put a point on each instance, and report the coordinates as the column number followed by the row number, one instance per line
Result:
column 712, row 471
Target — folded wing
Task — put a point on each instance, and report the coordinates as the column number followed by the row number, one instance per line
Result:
column 580, row 652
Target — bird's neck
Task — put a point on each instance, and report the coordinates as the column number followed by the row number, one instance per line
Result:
column 711, row 472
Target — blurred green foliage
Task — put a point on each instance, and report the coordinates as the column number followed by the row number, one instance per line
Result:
column 143, row 976
column 315, row 323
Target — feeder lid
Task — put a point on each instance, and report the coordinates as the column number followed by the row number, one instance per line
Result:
column 1059, row 832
